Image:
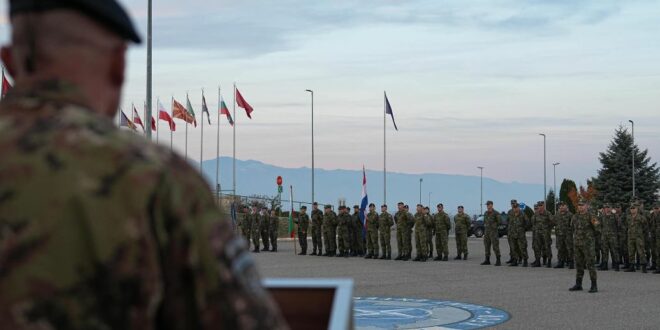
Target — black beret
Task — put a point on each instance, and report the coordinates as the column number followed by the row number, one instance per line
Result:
column 106, row 12
column 356, row 207
column 303, row 207
column 384, row 205
column 440, row 205
column 372, row 205
column 489, row 203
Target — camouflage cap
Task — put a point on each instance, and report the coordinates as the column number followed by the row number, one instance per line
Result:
column 634, row 205
column 356, row 207
column 513, row 202
column 303, row 207
column 315, row 204
column 582, row 202
column 460, row 207
column 327, row 206
column 541, row 203
column 489, row 203
column 561, row 203
column 384, row 205
column 440, row 205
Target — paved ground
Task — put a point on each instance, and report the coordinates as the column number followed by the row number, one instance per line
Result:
column 536, row 298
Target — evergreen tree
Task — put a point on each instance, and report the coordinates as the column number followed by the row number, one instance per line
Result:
column 568, row 194
column 614, row 181
column 550, row 202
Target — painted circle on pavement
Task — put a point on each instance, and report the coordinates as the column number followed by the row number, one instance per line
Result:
column 374, row 313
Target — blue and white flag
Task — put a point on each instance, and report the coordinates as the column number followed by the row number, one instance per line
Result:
column 364, row 203
column 234, row 219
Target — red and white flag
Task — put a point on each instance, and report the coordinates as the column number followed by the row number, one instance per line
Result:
column 136, row 118
column 163, row 115
column 241, row 102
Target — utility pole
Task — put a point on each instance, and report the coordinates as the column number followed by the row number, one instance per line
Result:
column 312, row 92
column 420, row 190
column 481, row 203
column 554, row 170
column 545, row 185
column 633, row 157
column 147, row 114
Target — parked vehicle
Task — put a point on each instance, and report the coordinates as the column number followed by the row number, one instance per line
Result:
column 477, row 227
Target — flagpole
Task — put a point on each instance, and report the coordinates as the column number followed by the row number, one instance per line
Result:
column 295, row 248
column 172, row 119
column 217, row 149
column 149, row 66
column 234, row 152
column 201, row 140
column 158, row 122
column 384, row 149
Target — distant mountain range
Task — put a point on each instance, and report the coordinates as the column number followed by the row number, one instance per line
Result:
column 257, row 178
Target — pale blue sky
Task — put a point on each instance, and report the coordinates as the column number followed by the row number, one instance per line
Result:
column 471, row 83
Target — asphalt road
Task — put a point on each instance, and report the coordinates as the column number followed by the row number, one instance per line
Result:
column 536, row 298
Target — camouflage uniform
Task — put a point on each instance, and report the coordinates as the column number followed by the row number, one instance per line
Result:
column 636, row 225
column 317, row 232
column 246, row 229
column 264, row 226
column 104, row 230
column 343, row 234
column 273, row 231
column 421, row 223
column 400, row 218
column 303, row 225
column 430, row 233
column 564, row 234
column 351, row 234
column 609, row 239
column 656, row 238
column 255, row 224
column 330, row 233
column 462, row 224
column 517, row 236
column 372, row 234
column 407, row 236
column 385, row 223
column 623, row 236
column 585, row 229
column 358, row 234
column 542, row 242
column 442, row 225
column 492, row 221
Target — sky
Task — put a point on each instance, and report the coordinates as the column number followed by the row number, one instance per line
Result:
column 471, row 83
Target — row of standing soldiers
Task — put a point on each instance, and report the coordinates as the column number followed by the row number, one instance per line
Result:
column 346, row 235
column 255, row 225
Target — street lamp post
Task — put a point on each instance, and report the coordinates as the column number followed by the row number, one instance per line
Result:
column 312, row 93
column 633, row 157
column 481, row 203
column 545, row 185
column 430, row 193
column 420, row 190
column 554, row 172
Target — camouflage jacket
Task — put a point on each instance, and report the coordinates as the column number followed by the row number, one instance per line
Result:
column 563, row 223
column 303, row 222
column 517, row 225
column 330, row 220
column 585, row 229
column 372, row 222
column 542, row 222
column 400, row 218
column 317, row 218
column 609, row 225
column 492, row 220
column 636, row 225
column 273, row 222
column 385, row 222
column 344, row 221
column 422, row 221
column 441, row 222
column 105, row 230
column 462, row 223
column 245, row 222
column 357, row 223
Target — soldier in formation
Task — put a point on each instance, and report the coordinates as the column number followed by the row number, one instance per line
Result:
column 430, row 233
column 421, row 223
column 517, row 235
column 564, row 235
column 585, row 229
column 343, row 223
column 303, row 224
column 492, row 222
column 461, row 225
column 372, row 232
column 273, row 229
column 609, row 238
column 330, row 231
column 441, row 226
column 358, row 233
column 245, row 226
column 385, row 223
column 317, row 230
column 255, row 225
column 637, row 224
column 400, row 219
column 542, row 240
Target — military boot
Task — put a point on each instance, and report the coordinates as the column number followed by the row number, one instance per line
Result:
column 510, row 261
column 604, row 266
column 514, row 263
column 446, row 258
column 383, row 257
column 498, row 262
column 369, row 256
column 560, row 265
column 594, row 286
column 644, row 268
column 437, row 258
column 536, row 263
column 486, row 262
column 571, row 264
column 657, row 271
column 398, row 257
column 465, row 256
column 458, row 257
column 615, row 266
column 630, row 269
column 406, row 257
column 577, row 286
column 313, row 253
column 389, row 256
column 417, row 258
column 653, row 266
column 525, row 263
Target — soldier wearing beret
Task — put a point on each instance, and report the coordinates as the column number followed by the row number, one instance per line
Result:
column 90, row 248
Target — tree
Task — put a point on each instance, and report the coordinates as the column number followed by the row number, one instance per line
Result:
column 614, row 181
column 568, row 194
column 588, row 194
column 550, row 202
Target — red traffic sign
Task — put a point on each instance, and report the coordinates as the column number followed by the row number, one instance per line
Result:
column 279, row 180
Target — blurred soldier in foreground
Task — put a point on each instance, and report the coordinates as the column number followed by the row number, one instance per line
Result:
column 385, row 223
column 103, row 229
column 461, row 225
column 372, row 232
column 609, row 239
column 442, row 225
column 492, row 221
column 303, row 224
column 564, row 234
column 585, row 229
column 516, row 233
column 273, row 229
column 317, row 232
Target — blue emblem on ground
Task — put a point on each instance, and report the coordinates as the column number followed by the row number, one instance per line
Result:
column 372, row 313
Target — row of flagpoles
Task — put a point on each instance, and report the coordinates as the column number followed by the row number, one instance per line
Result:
column 187, row 114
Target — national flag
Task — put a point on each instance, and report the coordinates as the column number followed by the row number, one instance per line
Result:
column 225, row 111
column 190, row 111
column 205, row 110
column 234, row 218
column 153, row 121
column 388, row 110
column 179, row 112
column 291, row 231
column 6, row 85
column 163, row 115
column 136, row 118
column 125, row 122
column 240, row 101
column 364, row 203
